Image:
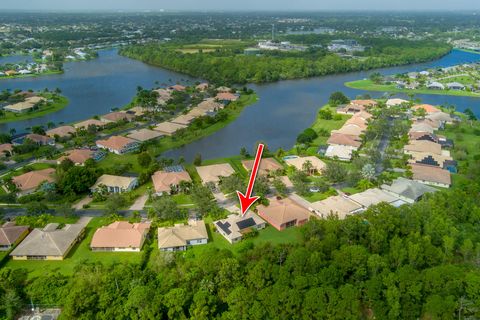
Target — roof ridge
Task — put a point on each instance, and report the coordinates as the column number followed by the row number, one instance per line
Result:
column 53, row 241
column 5, row 234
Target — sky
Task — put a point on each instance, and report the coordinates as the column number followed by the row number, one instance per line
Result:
column 235, row 5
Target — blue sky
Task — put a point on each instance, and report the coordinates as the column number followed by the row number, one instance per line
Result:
column 196, row 5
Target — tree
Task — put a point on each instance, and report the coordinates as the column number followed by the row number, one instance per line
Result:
column 337, row 98
column 77, row 180
column 114, row 203
column 198, row 159
column 144, row 159
column 307, row 136
column 38, row 130
column 203, row 198
column 368, row 172
column 36, row 208
column 279, row 186
column 335, row 172
column 376, row 77
column 325, row 114
column 307, row 167
column 165, row 208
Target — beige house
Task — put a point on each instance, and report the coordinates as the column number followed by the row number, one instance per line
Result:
column 267, row 165
column 11, row 234
column 336, row 205
column 118, row 144
column 120, row 236
column 24, row 106
column 115, row 184
column 396, row 102
column 431, row 175
column 180, row 236
column 169, row 128
column 143, row 135
column 164, row 181
column 235, row 226
column 213, row 172
column 341, row 139
column 50, row 242
column 425, row 146
column 6, row 149
column 87, row 123
column 184, row 119
column 117, row 116
column 77, row 156
column 375, row 196
column 30, row 181
column 62, row 132
column 298, row 162
column 340, row 152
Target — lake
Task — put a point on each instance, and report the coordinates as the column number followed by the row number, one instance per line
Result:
column 285, row 108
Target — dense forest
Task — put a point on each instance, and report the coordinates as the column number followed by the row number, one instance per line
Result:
column 412, row 262
column 230, row 66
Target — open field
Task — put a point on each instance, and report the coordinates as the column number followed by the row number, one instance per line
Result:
column 368, row 85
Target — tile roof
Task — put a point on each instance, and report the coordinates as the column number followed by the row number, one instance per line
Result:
column 114, row 181
column 423, row 146
column 117, row 116
column 90, row 122
column 427, row 107
column 279, row 212
column 340, row 205
column 298, row 162
column 266, row 166
column 179, row 235
column 33, row 179
column 344, row 140
column 77, row 156
column 212, row 173
column 62, row 131
column 144, row 135
column 120, row 234
column 431, row 174
column 10, row 232
column 408, row 188
column 163, row 180
column 169, row 128
column 372, row 197
column 115, row 142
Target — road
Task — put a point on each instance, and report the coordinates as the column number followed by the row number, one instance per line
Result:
column 382, row 146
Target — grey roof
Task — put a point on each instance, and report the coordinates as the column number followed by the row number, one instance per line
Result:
column 408, row 188
column 10, row 232
column 50, row 241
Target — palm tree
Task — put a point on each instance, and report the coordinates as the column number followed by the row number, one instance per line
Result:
column 368, row 172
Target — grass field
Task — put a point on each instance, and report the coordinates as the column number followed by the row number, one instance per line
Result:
column 57, row 106
column 368, row 85
column 80, row 254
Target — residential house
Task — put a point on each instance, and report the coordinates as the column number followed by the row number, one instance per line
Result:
column 226, row 97
column 120, row 236
column 431, row 175
column 11, row 234
column 184, row 119
column 429, row 109
column 178, row 88
column 267, row 166
column 117, row 116
column 6, row 149
column 350, row 129
column 395, row 102
column 235, row 226
column 212, row 173
column 50, row 242
column 115, row 184
column 421, row 127
column 143, row 135
column 408, row 190
column 317, row 165
column 434, row 85
column 441, row 116
column 30, row 181
column 375, row 196
column 455, row 86
column 36, row 138
column 367, row 103
column 164, row 96
column 164, row 181
column 350, row 109
column 283, row 213
column 419, row 135
column 118, row 144
column 62, row 132
column 202, row 86
column 79, row 156
column 340, row 152
column 180, row 236
column 424, row 146
column 24, row 106
column 169, row 128
column 87, row 123
column 340, row 139
column 340, row 206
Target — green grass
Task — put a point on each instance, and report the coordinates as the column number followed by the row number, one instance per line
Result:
column 80, row 254
column 183, row 199
column 370, row 86
column 328, row 125
column 42, row 111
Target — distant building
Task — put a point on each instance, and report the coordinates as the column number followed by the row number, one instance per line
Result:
column 435, row 86
column 455, row 86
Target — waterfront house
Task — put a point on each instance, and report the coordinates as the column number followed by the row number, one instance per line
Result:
column 317, row 165
column 429, row 109
column 455, row 86
column 226, row 97
column 6, row 149
column 164, row 182
column 30, row 181
column 235, row 226
column 117, row 116
column 11, row 234
column 169, row 128
column 24, row 106
column 283, row 213
column 181, row 236
column 395, row 102
column 50, row 242
column 120, row 236
column 143, row 135
column 212, row 173
column 267, row 166
column 87, row 123
column 115, row 184
column 118, row 144
column 340, row 152
column 435, row 86
column 178, row 88
column 184, row 119
column 61, row 132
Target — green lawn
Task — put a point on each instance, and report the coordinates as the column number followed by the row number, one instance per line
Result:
column 327, row 125
column 81, row 253
column 57, row 106
column 370, row 86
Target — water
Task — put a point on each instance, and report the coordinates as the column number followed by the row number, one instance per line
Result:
column 285, row 108
column 15, row 59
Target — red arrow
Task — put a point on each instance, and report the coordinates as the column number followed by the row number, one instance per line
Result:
column 247, row 200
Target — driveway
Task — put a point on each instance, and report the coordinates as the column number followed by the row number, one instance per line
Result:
column 139, row 203
column 79, row 205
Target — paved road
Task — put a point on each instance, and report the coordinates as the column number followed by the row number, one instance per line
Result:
column 139, row 203
column 382, row 146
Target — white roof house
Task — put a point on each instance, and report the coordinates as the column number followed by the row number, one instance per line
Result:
column 235, row 226
column 343, row 153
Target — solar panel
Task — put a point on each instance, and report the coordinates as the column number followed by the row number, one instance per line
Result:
column 246, row 223
column 430, row 161
column 177, row 168
column 224, row 226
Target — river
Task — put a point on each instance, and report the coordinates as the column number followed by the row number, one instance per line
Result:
column 285, row 108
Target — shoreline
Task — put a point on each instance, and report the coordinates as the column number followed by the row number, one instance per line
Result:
column 57, row 106
column 32, row 75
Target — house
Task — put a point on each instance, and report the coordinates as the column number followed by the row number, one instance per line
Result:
column 340, row 152
column 184, row 119
column 212, row 173
column 180, row 236
column 117, row 116
column 143, row 135
column 418, row 135
column 357, row 121
column 79, row 156
column 424, row 146
column 202, row 86
column 115, row 184
column 283, row 213
column 429, row 109
column 396, row 102
column 120, row 236
column 341, row 206
column 350, row 109
column 340, row 139
column 169, row 128
column 6, row 149
column 164, row 96
column 10, row 72
column 435, row 86
column 30, row 181
column 62, row 132
column 235, row 226
column 206, row 107
column 267, row 166
column 441, row 116
column 11, row 234
column 455, row 86
column 431, row 175
column 35, row 138
column 421, row 127
column 87, row 123
column 178, row 88
column 137, row 111
column 407, row 190
column 118, row 144
column 375, row 196
column 164, row 181
column 50, row 242
column 24, row 106
column 226, row 97
column 224, row 89
column 350, row 129
column 366, row 103
column 298, row 162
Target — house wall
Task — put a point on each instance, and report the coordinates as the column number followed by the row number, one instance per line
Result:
column 173, row 249
column 117, row 249
column 197, row 242
column 435, row 184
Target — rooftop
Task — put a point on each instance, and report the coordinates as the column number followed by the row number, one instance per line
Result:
column 120, row 234
column 114, row 181
column 179, row 235
column 33, row 179
column 163, row 180
column 212, row 173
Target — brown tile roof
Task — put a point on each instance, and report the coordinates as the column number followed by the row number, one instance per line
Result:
column 33, row 179
column 62, row 131
column 431, row 174
column 226, row 96
column 416, row 135
column 117, row 116
column 423, row 146
column 362, row 123
column 350, row 129
column 202, row 86
column 178, row 87
column 427, row 107
column 169, row 128
column 279, row 212
column 365, row 103
column 144, row 135
column 5, row 147
column 90, row 122
column 120, row 234
column 267, row 165
column 10, row 232
column 184, row 119
column 163, row 180
column 77, row 156
column 115, row 142
column 212, row 173
column 344, row 140
column 38, row 138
